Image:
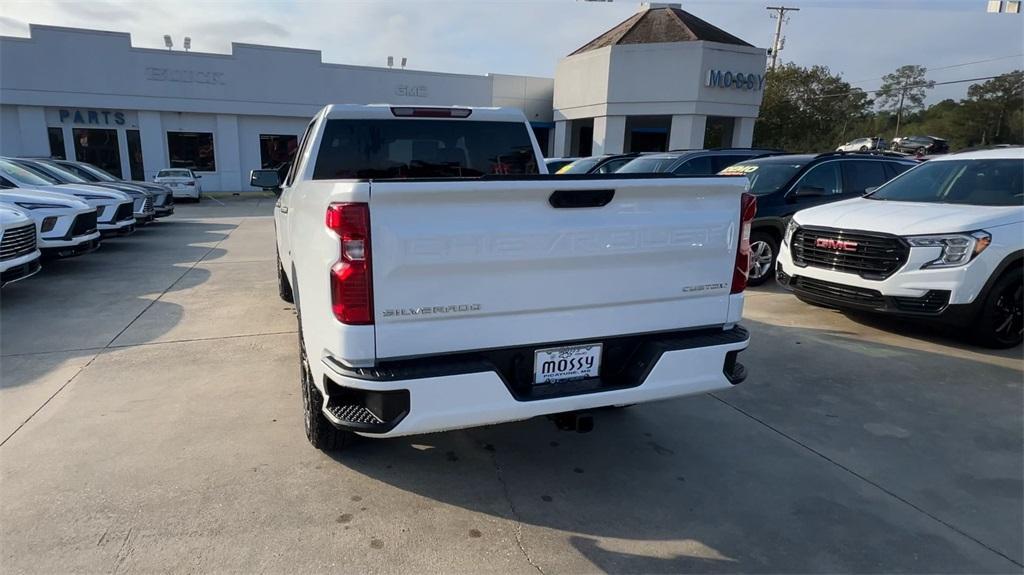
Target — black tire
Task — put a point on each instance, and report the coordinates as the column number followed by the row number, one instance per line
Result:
column 1000, row 323
column 863, row 148
column 284, row 289
column 320, row 433
column 762, row 245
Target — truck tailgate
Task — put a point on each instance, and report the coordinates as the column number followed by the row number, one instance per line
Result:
column 466, row 265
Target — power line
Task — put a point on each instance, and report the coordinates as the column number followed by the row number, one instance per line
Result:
column 904, row 87
column 855, row 82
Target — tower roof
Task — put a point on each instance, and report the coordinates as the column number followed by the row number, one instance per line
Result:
column 661, row 24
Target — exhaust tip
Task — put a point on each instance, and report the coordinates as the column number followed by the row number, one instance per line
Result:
column 580, row 422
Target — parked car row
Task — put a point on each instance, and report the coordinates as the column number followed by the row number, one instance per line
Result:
column 58, row 208
column 916, row 145
column 879, row 231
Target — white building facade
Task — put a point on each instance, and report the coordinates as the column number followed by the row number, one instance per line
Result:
column 663, row 79
column 91, row 96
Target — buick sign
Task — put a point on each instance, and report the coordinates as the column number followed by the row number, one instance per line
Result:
column 735, row 80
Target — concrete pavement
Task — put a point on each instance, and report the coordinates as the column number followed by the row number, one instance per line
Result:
column 151, row 422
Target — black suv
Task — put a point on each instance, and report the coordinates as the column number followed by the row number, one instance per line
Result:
column 692, row 162
column 921, row 144
column 788, row 183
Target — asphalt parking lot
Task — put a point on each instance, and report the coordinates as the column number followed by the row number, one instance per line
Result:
column 151, row 421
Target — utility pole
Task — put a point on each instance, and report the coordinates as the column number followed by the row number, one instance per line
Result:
column 899, row 111
column 777, row 42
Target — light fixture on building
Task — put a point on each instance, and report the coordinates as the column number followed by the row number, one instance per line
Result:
column 168, row 42
column 403, row 62
column 1005, row 7
column 187, row 43
column 391, row 61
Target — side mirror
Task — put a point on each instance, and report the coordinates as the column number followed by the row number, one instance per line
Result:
column 870, row 190
column 267, row 180
column 197, row 176
column 809, row 192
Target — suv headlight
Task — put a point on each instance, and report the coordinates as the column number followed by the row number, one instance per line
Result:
column 91, row 197
column 957, row 249
column 39, row 205
column 790, row 229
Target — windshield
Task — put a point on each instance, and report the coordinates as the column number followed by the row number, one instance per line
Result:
column 647, row 166
column 60, row 175
column 90, row 172
column 581, row 166
column 765, row 177
column 173, row 174
column 997, row 182
column 423, row 149
column 23, row 177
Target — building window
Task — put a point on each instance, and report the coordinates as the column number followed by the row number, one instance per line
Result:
column 56, row 143
column 542, row 136
column 193, row 150
column 99, row 148
column 276, row 152
column 135, row 155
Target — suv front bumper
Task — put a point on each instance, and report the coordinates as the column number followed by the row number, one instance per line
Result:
column 474, row 389
column 19, row 268
column 947, row 296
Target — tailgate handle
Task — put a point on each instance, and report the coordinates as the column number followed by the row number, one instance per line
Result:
column 581, row 198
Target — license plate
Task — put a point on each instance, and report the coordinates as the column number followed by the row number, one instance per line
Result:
column 566, row 363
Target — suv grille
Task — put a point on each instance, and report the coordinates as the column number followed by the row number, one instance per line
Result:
column 147, row 206
column 849, row 295
column 124, row 212
column 84, row 224
column 873, row 256
column 18, row 242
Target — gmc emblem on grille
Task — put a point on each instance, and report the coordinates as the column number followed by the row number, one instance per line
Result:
column 834, row 244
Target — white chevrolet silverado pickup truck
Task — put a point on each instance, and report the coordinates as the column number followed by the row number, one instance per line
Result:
column 443, row 280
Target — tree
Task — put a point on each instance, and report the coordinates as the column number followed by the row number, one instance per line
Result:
column 809, row 109
column 904, row 89
column 994, row 102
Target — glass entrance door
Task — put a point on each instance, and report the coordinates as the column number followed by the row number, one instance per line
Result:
column 99, row 148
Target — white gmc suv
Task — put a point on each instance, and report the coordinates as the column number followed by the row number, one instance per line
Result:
column 442, row 280
column 943, row 241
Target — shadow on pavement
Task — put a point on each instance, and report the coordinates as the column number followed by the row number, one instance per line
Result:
column 834, row 456
column 79, row 305
column 921, row 330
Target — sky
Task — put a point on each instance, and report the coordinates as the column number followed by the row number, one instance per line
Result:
column 860, row 39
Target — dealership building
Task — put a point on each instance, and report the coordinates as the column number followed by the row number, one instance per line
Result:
column 662, row 79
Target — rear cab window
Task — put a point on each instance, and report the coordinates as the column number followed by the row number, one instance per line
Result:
column 423, row 148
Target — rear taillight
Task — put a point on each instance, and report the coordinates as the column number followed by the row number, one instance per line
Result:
column 351, row 284
column 748, row 207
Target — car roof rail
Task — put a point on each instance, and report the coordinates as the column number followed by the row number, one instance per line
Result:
column 887, row 153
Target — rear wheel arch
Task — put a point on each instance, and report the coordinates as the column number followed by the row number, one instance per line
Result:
column 773, row 229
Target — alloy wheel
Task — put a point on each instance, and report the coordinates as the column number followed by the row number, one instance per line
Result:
column 307, row 405
column 760, row 259
column 1009, row 316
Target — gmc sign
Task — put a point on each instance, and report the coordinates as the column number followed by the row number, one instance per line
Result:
column 835, row 245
